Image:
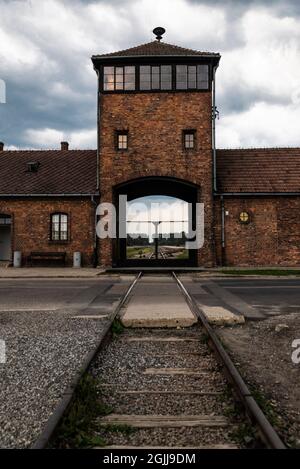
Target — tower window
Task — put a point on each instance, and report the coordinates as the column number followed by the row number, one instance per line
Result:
column 192, row 77
column 202, row 77
column 156, row 77
column 119, row 78
column 122, row 140
column 59, row 227
column 189, row 139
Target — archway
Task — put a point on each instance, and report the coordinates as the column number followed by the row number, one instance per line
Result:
column 157, row 222
column 5, row 237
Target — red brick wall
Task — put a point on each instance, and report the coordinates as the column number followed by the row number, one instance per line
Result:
column 288, row 223
column 155, row 122
column 271, row 238
column 31, row 226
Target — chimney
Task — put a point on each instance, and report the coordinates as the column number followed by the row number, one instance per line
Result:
column 65, row 146
column 1, row 146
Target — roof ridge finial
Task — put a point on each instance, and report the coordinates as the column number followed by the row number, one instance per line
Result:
column 159, row 31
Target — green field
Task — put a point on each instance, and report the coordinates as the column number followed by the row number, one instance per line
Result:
column 135, row 252
column 184, row 254
column 141, row 252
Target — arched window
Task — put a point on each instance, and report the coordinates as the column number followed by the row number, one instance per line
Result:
column 59, row 227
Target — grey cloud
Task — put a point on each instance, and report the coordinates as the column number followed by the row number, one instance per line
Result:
column 285, row 7
column 239, row 98
column 32, row 105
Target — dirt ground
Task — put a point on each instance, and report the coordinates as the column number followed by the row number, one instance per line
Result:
column 263, row 355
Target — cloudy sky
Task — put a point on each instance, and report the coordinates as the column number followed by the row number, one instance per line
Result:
column 171, row 212
column 45, row 49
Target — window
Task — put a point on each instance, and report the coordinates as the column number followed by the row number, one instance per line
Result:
column 119, row 78
column 109, row 78
column 181, row 77
column 189, row 139
column 156, row 77
column 59, row 227
column 122, row 140
column 192, row 77
column 202, row 77
column 5, row 219
column 244, row 218
column 166, row 77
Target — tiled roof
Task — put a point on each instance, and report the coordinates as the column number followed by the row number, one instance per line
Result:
column 59, row 172
column 74, row 171
column 156, row 48
column 259, row 170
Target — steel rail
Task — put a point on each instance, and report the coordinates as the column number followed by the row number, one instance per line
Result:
column 267, row 433
column 68, row 395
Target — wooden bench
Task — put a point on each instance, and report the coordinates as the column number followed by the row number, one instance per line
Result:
column 47, row 256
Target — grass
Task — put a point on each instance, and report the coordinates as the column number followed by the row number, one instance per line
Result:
column 183, row 254
column 266, row 406
column 135, row 251
column 244, row 434
column 226, row 394
column 204, row 338
column 117, row 327
column 121, row 428
column 77, row 428
column 273, row 272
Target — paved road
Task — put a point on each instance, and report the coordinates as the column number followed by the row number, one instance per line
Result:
column 48, row 326
column 269, row 296
column 56, row 294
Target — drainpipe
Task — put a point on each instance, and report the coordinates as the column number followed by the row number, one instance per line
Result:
column 214, row 130
column 95, row 249
column 98, row 129
column 223, row 259
column 213, row 143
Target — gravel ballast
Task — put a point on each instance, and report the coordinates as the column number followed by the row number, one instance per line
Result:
column 263, row 352
column 43, row 351
column 130, row 391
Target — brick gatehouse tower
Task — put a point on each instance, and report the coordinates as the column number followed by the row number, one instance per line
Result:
column 156, row 132
column 156, row 137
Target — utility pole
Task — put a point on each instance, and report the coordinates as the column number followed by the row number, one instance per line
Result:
column 156, row 224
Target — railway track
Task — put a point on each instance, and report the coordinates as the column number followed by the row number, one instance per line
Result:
column 169, row 388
